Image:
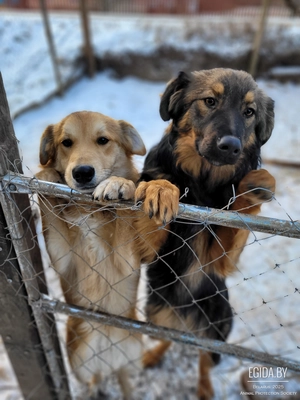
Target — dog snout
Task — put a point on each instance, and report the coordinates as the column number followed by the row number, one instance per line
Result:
column 83, row 173
column 230, row 146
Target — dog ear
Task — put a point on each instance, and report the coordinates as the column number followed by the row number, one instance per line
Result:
column 47, row 148
column 131, row 139
column 265, row 124
column 170, row 103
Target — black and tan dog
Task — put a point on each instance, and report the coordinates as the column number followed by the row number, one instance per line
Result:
column 220, row 120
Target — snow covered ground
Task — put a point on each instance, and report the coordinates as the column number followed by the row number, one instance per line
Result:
column 196, row 40
column 264, row 291
column 263, row 296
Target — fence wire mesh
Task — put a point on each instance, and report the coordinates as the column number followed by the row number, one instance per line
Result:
column 264, row 298
column 263, row 291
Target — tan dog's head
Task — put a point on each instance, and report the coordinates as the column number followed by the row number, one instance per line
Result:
column 221, row 110
column 88, row 147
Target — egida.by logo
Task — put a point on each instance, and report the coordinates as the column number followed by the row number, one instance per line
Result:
column 267, row 372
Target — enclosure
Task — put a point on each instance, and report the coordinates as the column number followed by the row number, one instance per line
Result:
column 264, row 291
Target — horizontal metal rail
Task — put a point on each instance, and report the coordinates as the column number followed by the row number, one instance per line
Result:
column 16, row 183
column 55, row 306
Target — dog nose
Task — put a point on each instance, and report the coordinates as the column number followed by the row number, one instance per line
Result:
column 83, row 173
column 230, row 145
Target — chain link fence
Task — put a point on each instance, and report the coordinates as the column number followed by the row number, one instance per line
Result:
column 281, row 330
column 155, row 55
column 264, row 291
column 264, row 301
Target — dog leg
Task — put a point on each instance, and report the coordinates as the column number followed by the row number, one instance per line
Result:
column 82, row 353
column 55, row 229
column 248, row 387
column 94, row 391
column 205, row 389
column 254, row 189
column 124, row 383
column 153, row 356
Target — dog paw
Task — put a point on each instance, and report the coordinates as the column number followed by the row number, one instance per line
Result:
column 49, row 175
column 160, row 199
column 115, row 188
column 257, row 186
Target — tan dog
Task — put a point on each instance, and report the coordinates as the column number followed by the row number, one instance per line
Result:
column 94, row 251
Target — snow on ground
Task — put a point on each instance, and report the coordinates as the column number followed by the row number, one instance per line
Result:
column 26, row 65
column 263, row 291
column 271, row 327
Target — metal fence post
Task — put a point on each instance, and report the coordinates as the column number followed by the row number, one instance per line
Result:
column 29, row 335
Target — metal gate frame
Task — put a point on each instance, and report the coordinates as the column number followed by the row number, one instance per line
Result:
column 27, row 322
column 29, row 334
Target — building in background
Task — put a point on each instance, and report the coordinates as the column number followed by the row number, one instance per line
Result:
column 148, row 6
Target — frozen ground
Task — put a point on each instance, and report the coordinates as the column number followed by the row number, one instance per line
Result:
column 27, row 69
column 263, row 291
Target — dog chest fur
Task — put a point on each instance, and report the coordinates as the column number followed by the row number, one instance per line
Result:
column 101, row 259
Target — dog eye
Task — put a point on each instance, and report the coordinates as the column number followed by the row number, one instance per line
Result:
column 249, row 112
column 102, row 140
column 67, row 142
column 210, row 101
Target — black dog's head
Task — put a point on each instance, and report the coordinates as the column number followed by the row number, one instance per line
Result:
column 222, row 111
